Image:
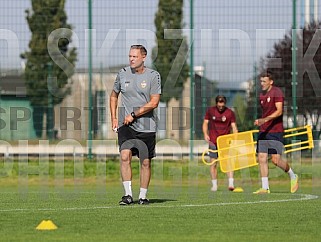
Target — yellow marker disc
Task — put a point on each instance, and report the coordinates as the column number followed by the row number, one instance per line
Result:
column 238, row 189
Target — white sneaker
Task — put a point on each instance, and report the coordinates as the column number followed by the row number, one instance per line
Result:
column 214, row 188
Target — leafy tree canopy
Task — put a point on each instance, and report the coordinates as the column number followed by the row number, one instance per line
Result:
column 49, row 60
column 48, row 52
column 170, row 55
column 279, row 63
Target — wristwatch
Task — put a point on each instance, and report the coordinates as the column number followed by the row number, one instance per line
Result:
column 133, row 114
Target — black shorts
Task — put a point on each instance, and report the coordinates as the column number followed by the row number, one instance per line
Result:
column 270, row 143
column 212, row 154
column 142, row 144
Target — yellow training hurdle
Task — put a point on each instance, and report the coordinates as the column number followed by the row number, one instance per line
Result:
column 238, row 151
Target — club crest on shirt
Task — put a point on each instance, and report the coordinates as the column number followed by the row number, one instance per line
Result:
column 213, row 118
column 143, row 84
column 223, row 118
column 268, row 99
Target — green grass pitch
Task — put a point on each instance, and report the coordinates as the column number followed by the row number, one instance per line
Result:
column 85, row 206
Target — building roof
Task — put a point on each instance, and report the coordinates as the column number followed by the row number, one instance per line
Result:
column 236, row 86
column 12, row 85
column 104, row 69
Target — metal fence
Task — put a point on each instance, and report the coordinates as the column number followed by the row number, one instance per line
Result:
column 229, row 39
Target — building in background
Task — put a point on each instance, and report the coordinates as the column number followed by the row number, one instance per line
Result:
column 72, row 114
column 230, row 90
column 16, row 121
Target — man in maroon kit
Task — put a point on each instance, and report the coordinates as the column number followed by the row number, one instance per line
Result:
column 270, row 138
column 218, row 121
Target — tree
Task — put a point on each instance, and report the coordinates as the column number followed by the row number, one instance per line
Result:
column 49, row 55
column 171, row 52
column 308, row 94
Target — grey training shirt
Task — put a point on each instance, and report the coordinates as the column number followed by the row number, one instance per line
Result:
column 136, row 90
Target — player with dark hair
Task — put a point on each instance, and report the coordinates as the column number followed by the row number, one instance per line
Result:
column 270, row 138
column 218, row 121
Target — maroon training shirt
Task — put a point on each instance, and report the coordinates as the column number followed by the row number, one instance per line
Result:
column 219, row 123
column 267, row 102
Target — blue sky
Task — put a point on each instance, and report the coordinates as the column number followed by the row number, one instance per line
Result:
column 230, row 35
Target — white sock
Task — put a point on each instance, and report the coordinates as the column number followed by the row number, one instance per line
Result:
column 128, row 188
column 291, row 174
column 231, row 182
column 142, row 193
column 214, row 183
column 265, row 183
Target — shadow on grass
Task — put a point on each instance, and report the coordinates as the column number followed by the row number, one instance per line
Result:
column 158, row 200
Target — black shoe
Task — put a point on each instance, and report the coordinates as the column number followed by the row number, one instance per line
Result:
column 126, row 200
column 143, row 201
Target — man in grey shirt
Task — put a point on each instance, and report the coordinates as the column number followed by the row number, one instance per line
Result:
column 136, row 123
